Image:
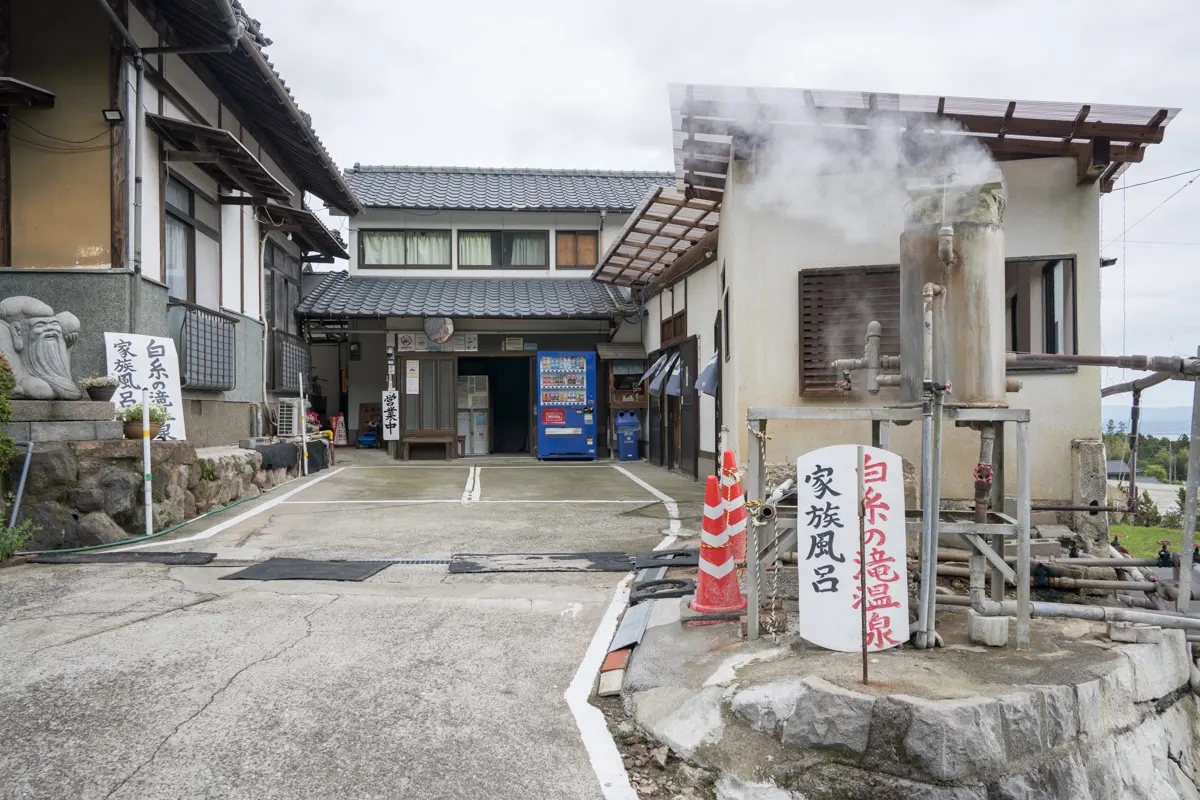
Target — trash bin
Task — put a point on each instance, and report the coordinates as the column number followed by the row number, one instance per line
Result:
column 628, row 426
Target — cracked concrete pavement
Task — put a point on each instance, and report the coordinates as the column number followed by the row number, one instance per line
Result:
column 148, row 681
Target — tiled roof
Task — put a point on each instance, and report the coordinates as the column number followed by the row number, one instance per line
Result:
column 344, row 295
column 467, row 188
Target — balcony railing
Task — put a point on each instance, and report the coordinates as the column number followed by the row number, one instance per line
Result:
column 289, row 360
column 207, row 344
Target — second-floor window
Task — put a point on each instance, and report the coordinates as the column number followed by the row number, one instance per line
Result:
column 281, row 288
column 382, row 249
column 191, row 245
column 576, row 249
column 505, row 249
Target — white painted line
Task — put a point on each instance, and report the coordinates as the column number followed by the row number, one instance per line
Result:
column 672, row 506
column 597, row 740
column 466, row 494
column 240, row 518
column 367, row 502
column 643, row 502
column 477, row 492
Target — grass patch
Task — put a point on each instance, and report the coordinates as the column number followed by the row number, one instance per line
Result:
column 1143, row 542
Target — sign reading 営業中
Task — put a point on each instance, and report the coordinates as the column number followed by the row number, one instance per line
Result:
column 149, row 362
column 390, row 416
column 828, row 549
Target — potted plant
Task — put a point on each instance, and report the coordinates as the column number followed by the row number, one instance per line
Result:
column 132, row 419
column 99, row 387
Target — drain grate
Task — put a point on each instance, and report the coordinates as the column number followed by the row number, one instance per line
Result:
column 408, row 561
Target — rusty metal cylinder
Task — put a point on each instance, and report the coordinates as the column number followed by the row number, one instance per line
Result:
column 969, row 346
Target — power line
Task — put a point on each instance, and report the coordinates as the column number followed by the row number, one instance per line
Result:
column 57, row 149
column 59, row 138
column 1151, row 211
column 1156, row 180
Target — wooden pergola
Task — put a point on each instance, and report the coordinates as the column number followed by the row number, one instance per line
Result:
column 663, row 227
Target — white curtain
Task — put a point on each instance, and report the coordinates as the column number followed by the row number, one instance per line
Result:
column 175, row 257
column 383, row 247
column 429, row 247
column 475, row 249
column 529, row 249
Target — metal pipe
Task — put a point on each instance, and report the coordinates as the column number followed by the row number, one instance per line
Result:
column 1135, row 422
column 1189, row 509
column 120, row 26
column 779, row 492
column 874, row 332
column 1079, row 611
column 1013, row 384
column 928, row 563
column 931, row 634
column 1066, row 507
column 887, row 379
column 1140, row 383
column 1023, row 549
column 1172, row 364
column 16, row 509
column 303, row 428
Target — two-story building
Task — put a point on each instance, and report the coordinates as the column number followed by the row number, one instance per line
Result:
column 154, row 170
column 504, row 255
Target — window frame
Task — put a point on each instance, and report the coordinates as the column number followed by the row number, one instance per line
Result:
column 362, row 254
column 576, row 233
column 676, row 325
column 1070, row 265
column 274, row 271
column 188, row 219
column 505, row 249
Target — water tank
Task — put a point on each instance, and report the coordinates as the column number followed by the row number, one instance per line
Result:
column 969, row 340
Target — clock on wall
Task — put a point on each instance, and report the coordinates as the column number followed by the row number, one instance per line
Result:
column 439, row 329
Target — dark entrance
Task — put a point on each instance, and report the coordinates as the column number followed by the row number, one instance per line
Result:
column 675, row 410
column 510, row 401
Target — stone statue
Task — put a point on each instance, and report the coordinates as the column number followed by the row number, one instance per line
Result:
column 37, row 344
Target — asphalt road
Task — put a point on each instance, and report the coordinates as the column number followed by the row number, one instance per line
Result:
column 147, row 681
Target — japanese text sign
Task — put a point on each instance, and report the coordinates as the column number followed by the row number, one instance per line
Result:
column 827, row 517
column 149, row 362
column 389, row 416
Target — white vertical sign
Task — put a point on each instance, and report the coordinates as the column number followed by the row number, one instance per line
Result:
column 412, row 377
column 827, row 518
column 390, row 416
column 148, row 362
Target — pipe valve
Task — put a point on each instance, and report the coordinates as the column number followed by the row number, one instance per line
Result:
column 946, row 244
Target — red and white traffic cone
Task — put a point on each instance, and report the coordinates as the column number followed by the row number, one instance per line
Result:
column 735, row 505
column 717, row 589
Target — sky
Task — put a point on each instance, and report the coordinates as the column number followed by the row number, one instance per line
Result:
column 581, row 85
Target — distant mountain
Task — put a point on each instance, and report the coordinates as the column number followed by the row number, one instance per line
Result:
column 1171, row 422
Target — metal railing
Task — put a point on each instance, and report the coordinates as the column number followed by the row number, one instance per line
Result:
column 207, row 344
column 289, row 360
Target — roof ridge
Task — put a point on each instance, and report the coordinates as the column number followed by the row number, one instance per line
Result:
column 452, row 170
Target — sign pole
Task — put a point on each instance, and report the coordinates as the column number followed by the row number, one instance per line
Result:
column 862, row 553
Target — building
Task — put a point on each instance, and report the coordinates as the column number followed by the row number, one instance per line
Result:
column 778, row 259
column 186, row 220
column 500, row 257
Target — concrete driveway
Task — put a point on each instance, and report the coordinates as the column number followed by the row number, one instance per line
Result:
column 148, row 681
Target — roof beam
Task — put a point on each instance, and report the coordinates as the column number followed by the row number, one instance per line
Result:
column 1094, row 160
column 1074, row 134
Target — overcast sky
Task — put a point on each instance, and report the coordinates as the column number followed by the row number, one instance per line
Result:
column 572, row 84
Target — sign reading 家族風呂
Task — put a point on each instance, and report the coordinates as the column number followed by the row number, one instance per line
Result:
column 389, row 416
column 827, row 516
column 147, row 362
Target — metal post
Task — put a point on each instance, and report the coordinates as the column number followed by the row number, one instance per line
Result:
column 932, row 638
column 1023, row 502
column 147, row 481
column 303, row 430
column 756, row 481
column 928, row 546
column 16, row 509
column 1135, row 415
column 997, row 540
column 1189, row 507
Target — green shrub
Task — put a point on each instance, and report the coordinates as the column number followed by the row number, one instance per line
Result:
column 7, row 383
column 1156, row 471
column 208, row 469
column 14, row 538
column 158, row 414
column 1147, row 514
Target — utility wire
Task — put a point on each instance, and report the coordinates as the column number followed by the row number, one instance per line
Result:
column 55, row 148
column 1151, row 211
column 1155, row 180
column 59, row 138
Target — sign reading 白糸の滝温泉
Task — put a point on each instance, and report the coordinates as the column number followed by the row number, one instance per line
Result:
column 390, row 416
column 147, row 362
column 827, row 528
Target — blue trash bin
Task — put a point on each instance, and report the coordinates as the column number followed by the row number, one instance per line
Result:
column 628, row 426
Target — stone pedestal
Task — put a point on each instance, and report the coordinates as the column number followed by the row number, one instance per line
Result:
column 63, row 421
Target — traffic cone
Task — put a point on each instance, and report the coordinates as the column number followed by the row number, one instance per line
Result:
column 735, row 505
column 717, row 589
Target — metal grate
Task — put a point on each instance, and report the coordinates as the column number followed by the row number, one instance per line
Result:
column 408, row 561
column 290, row 361
column 207, row 343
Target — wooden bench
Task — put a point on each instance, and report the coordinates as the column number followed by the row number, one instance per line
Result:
column 443, row 439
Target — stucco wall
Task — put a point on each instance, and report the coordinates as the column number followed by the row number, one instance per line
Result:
column 763, row 252
column 61, row 203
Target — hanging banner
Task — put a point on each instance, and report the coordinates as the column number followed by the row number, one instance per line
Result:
column 827, row 517
column 149, row 362
column 390, row 416
column 339, row 432
column 412, row 377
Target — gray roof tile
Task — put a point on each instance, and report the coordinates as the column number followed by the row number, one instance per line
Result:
column 341, row 294
column 501, row 189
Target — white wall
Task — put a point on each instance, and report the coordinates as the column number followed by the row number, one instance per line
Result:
column 395, row 219
column 1048, row 214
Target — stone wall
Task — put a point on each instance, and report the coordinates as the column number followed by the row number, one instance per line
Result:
column 88, row 493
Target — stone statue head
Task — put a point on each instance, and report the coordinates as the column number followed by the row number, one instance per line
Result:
column 37, row 343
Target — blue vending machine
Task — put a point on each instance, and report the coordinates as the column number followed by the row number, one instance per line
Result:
column 567, row 405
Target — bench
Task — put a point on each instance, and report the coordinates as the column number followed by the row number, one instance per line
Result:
column 443, row 439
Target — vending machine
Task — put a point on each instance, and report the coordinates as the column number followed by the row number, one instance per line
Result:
column 567, row 405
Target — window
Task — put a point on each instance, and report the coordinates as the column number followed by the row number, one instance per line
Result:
column 511, row 249
column 835, row 307
column 191, row 245
column 1040, row 307
column 673, row 328
column 404, row 249
column 281, row 288
column 576, row 249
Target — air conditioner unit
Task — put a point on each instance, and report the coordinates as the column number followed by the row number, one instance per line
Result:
column 288, row 418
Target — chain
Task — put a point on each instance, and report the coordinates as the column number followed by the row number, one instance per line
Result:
column 771, row 623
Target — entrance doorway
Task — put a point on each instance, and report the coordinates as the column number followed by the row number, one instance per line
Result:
column 500, row 398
